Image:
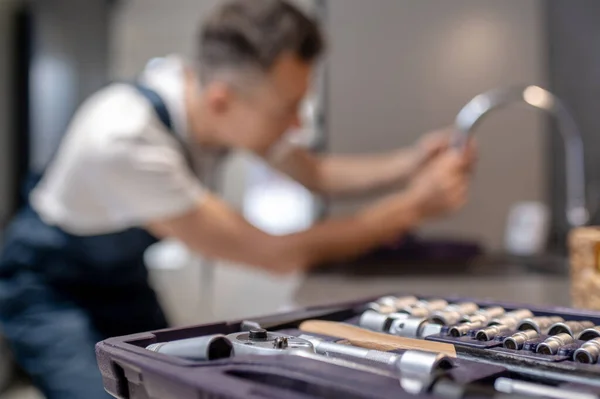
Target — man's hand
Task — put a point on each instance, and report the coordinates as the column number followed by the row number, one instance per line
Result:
column 433, row 143
column 441, row 187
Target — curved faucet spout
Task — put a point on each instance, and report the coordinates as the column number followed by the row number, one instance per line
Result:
column 474, row 111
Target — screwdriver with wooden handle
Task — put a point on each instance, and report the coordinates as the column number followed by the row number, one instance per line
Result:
column 373, row 340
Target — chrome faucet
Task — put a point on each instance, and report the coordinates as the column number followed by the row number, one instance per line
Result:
column 471, row 114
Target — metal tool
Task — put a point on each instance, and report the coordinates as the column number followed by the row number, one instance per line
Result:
column 478, row 320
column 509, row 386
column 590, row 333
column 449, row 389
column 516, row 341
column 490, row 313
column 388, row 300
column 210, row 347
column 511, row 318
column 573, row 328
column 540, row 324
column 552, row 345
column 423, row 308
column 387, row 372
column 379, row 322
column 262, row 342
column 389, row 304
column 415, row 370
column 380, row 308
column 418, row 370
column 326, row 348
column 374, row 340
column 414, row 327
column 491, row 332
column 472, row 113
column 453, row 313
column 589, row 352
column 405, row 301
column 465, row 308
column 502, row 325
column 446, row 317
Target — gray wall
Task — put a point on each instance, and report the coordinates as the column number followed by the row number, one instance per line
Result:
column 397, row 69
column 575, row 78
column 6, row 161
column 402, row 67
column 70, row 62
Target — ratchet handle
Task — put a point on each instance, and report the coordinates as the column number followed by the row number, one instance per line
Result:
column 360, row 337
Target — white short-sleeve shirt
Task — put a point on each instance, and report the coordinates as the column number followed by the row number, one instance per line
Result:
column 118, row 166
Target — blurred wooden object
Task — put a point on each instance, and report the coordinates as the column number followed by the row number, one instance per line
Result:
column 584, row 248
column 372, row 340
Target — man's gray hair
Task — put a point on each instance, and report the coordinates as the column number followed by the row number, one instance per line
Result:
column 250, row 35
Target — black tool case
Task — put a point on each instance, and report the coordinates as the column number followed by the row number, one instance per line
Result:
column 130, row 371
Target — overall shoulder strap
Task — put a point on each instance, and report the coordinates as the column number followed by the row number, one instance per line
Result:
column 164, row 116
column 158, row 104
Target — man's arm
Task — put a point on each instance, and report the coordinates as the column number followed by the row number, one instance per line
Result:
column 215, row 230
column 340, row 175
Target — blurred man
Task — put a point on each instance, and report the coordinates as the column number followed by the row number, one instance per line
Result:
column 72, row 270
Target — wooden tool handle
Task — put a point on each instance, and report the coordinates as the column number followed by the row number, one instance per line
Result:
column 374, row 340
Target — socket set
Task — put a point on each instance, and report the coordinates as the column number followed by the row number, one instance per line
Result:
column 393, row 346
column 518, row 331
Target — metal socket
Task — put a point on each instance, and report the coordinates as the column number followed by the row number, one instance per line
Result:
column 210, row 347
column 463, row 329
column 573, row 328
column 414, row 327
column 512, row 318
column 589, row 352
column 379, row 322
column 423, row 308
column 409, row 327
column 516, row 341
column 488, row 313
column 463, row 307
column 432, row 305
column 540, row 324
column 374, row 321
column 552, row 345
column 387, row 300
column 505, row 321
column 418, row 370
column 380, row 308
column 590, row 334
column 445, row 317
column 397, row 302
column 405, row 301
column 430, row 329
column 491, row 332
column 475, row 319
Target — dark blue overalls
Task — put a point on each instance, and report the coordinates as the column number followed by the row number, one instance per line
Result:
column 61, row 293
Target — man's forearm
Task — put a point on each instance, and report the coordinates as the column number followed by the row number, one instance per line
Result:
column 214, row 230
column 349, row 175
column 335, row 240
column 339, row 175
